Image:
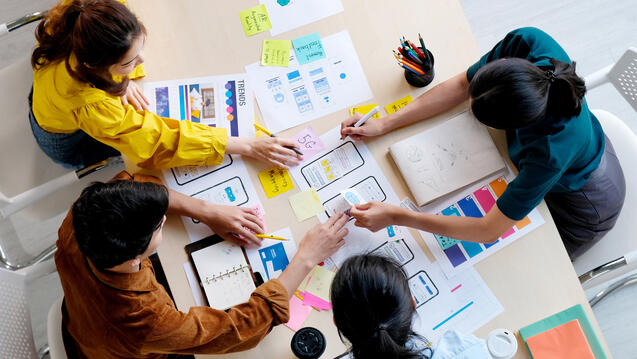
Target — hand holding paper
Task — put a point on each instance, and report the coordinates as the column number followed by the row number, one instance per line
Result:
column 374, row 215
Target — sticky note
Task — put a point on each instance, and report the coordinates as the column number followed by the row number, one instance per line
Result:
column 309, row 142
column 276, row 53
column 275, row 181
column 320, row 282
column 306, row 204
column 363, row 110
column 255, row 20
column 308, row 48
column 397, row 105
column 315, row 302
column 564, row 341
column 298, row 313
column 259, row 212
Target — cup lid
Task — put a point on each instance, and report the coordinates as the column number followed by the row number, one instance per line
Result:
column 502, row 344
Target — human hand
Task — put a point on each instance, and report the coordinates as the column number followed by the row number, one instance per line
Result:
column 374, row 215
column 323, row 240
column 274, row 151
column 135, row 97
column 371, row 127
column 233, row 223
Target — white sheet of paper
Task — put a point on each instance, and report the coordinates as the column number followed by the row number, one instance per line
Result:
column 286, row 15
column 226, row 184
column 273, row 256
column 223, row 101
column 194, row 284
column 290, row 96
column 466, row 252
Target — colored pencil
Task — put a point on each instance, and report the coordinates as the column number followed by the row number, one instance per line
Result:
column 422, row 43
column 414, row 69
column 410, row 69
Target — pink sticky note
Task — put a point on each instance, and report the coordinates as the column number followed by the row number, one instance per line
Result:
column 259, row 214
column 298, row 313
column 311, row 300
column 309, row 143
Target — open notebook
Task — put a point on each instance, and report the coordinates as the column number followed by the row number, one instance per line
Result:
column 445, row 158
column 223, row 271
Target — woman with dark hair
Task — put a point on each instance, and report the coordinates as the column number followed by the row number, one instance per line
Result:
column 86, row 109
column 527, row 86
column 373, row 309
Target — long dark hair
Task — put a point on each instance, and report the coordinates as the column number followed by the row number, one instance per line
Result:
column 115, row 221
column 373, row 308
column 514, row 93
column 97, row 33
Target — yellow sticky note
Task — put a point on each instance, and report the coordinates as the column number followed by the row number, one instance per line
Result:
column 395, row 106
column 275, row 181
column 306, row 204
column 255, row 20
column 276, row 53
column 320, row 280
column 363, row 110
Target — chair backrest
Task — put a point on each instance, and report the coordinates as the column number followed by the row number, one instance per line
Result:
column 622, row 238
column 623, row 76
column 16, row 336
column 54, row 331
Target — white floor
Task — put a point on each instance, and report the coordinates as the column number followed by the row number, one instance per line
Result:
column 593, row 32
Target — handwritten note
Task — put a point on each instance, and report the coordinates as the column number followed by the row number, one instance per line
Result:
column 306, row 204
column 276, row 53
column 395, row 106
column 275, row 181
column 320, row 282
column 309, row 142
column 363, row 110
column 298, row 313
column 255, row 20
column 308, row 48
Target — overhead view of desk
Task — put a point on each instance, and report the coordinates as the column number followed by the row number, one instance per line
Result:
column 532, row 278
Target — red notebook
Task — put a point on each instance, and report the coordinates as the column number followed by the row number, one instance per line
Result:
column 564, row 341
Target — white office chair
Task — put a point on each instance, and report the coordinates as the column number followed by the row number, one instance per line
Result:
column 54, row 331
column 618, row 250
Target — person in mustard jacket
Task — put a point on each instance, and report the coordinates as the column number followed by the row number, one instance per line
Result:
column 85, row 108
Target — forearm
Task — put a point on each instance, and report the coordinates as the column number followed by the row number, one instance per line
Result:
column 183, row 205
column 238, row 145
column 440, row 98
column 461, row 228
column 294, row 273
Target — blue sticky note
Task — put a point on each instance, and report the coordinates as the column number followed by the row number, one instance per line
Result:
column 308, row 48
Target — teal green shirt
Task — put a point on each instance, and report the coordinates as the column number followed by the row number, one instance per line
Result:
column 557, row 154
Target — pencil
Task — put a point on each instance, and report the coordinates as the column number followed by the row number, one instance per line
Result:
column 271, row 237
column 418, row 51
column 408, row 62
column 264, row 130
column 415, row 68
column 410, row 69
column 422, row 43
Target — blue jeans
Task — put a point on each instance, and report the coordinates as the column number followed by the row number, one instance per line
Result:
column 71, row 150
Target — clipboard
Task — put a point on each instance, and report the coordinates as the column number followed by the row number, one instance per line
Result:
column 212, row 240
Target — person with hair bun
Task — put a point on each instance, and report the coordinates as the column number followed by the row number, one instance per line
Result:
column 85, row 108
column 374, row 310
column 527, row 86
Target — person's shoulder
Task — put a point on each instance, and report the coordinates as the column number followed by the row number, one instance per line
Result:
column 531, row 34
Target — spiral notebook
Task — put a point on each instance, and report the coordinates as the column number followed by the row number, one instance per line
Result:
column 222, row 271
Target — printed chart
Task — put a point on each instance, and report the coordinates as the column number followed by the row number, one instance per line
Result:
column 454, row 255
column 218, row 101
column 290, row 96
column 226, row 184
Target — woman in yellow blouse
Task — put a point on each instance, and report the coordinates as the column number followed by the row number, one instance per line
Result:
column 86, row 109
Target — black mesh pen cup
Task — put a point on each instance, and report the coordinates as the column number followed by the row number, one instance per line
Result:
column 418, row 80
column 308, row 343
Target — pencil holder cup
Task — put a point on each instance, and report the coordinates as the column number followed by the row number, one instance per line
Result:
column 418, row 80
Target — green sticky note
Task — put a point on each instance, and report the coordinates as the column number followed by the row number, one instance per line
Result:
column 255, row 20
column 308, row 48
column 565, row 316
column 276, row 53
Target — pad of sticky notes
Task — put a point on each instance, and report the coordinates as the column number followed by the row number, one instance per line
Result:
column 363, row 110
column 308, row 48
column 275, row 181
column 306, row 204
column 275, row 53
column 397, row 105
column 255, row 20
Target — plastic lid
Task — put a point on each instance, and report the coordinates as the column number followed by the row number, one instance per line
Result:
column 502, row 344
column 308, row 343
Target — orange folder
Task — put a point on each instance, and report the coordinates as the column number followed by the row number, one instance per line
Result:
column 564, row 341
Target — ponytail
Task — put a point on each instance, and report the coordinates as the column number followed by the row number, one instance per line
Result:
column 96, row 33
column 514, row 93
column 566, row 90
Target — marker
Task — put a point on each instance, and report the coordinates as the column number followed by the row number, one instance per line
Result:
column 264, row 130
column 366, row 117
column 271, row 237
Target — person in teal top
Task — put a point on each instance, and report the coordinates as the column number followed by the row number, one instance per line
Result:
column 527, row 86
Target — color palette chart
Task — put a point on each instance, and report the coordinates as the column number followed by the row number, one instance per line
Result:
column 454, row 255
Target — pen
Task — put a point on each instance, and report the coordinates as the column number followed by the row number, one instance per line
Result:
column 264, row 130
column 366, row 117
column 271, row 237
